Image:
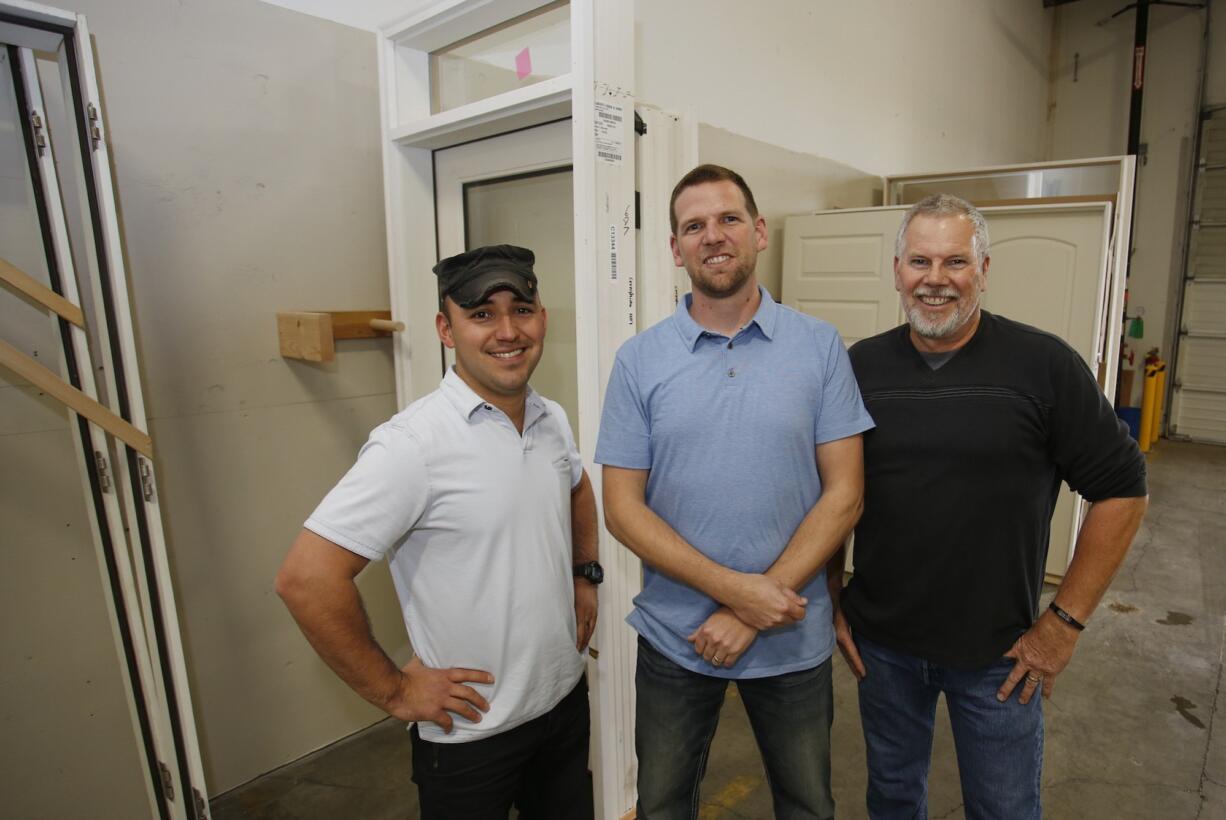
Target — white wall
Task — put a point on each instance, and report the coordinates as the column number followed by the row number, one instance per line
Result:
column 363, row 14
column 785, row 183
column 1090, row 118
column 878, row 85
column 245, row 145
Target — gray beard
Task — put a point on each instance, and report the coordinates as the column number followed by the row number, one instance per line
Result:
column 939, row 330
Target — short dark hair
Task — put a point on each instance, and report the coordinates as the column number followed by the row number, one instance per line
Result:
column 701, row 176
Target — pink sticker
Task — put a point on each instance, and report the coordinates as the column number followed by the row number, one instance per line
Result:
column 523, row 64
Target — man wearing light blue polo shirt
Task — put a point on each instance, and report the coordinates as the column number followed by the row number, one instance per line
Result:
column 733, row 468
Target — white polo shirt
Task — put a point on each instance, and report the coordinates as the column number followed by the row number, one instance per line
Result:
column 475, row 521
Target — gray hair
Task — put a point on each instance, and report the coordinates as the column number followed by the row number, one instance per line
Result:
column 947, row 205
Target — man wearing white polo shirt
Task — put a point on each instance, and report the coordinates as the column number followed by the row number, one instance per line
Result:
column 476, row 496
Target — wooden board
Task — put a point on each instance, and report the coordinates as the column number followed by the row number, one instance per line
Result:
column 66, row 394
column 312, row 335
column 31, row 288
column 306, row 336
column 355, row 324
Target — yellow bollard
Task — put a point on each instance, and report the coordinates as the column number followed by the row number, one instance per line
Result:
column 1148, row 405
column 1159, row 402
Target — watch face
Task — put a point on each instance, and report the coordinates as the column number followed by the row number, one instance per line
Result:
column 591, row 571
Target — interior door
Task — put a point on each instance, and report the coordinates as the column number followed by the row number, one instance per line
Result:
column 517, row 189
column 1049, row 266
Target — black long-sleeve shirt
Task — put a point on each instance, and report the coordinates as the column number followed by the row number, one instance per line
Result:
column 962, row 473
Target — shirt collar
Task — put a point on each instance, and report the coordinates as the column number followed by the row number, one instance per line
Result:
column 764, row 317
column 466, row 401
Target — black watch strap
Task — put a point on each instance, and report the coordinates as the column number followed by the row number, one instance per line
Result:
column 590, row 571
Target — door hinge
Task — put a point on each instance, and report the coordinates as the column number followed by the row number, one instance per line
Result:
column 202, row 805
column 146, row 478
column 40, row 140
column 640, row 127
column 103, row 471
column 638, row 213
column 95, row 132
column 168, row 783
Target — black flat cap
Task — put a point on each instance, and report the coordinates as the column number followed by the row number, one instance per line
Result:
column 471, row 277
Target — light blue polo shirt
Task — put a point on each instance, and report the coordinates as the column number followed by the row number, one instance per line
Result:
column 727, row 428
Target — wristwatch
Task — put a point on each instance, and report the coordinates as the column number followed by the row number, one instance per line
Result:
column 591, row 572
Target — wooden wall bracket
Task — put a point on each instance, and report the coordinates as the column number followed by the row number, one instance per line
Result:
column 311, row 335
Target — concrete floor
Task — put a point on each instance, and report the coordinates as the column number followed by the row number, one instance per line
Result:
column 1130, row 729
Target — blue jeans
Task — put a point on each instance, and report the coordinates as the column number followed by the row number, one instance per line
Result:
column 999, row 745
column 678, row 710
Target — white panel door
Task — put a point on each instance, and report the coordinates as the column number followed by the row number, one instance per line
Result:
column 1047, row 265
column 838, row 266
column 1048, row 269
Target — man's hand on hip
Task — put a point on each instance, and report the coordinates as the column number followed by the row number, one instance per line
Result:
column 764, row 603
column 431, row 694
column 586, row 607
column 722, row 638
column 1041, row 654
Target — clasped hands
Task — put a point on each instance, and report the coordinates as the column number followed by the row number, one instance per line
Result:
column 760, row 602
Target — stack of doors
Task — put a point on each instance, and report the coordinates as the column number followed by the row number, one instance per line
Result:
column 83, row 285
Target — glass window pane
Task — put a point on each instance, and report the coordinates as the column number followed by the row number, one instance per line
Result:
column 535, row 211
column 519, row 53
column 1080, row 180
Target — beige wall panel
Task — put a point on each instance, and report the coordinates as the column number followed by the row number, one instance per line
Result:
column 784, row 183
column 69, row 736
column 246, row 150
column 877, row 84
column 236, row 488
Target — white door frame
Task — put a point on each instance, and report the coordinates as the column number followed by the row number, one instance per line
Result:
column 597, row 87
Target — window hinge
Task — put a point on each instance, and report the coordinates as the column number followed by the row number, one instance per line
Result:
column 103, row 471
column 95, row 132
column 146, row 478
column 40, row 139
column 202, row 806
column 168, row 783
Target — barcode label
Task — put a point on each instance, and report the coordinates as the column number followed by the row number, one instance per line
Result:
column 613, row 252
column 609, row 126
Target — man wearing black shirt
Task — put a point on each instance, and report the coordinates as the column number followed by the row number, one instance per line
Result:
column 979, row 419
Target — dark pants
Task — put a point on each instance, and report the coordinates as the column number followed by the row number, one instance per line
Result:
column 678, row 710
column 539, row 767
